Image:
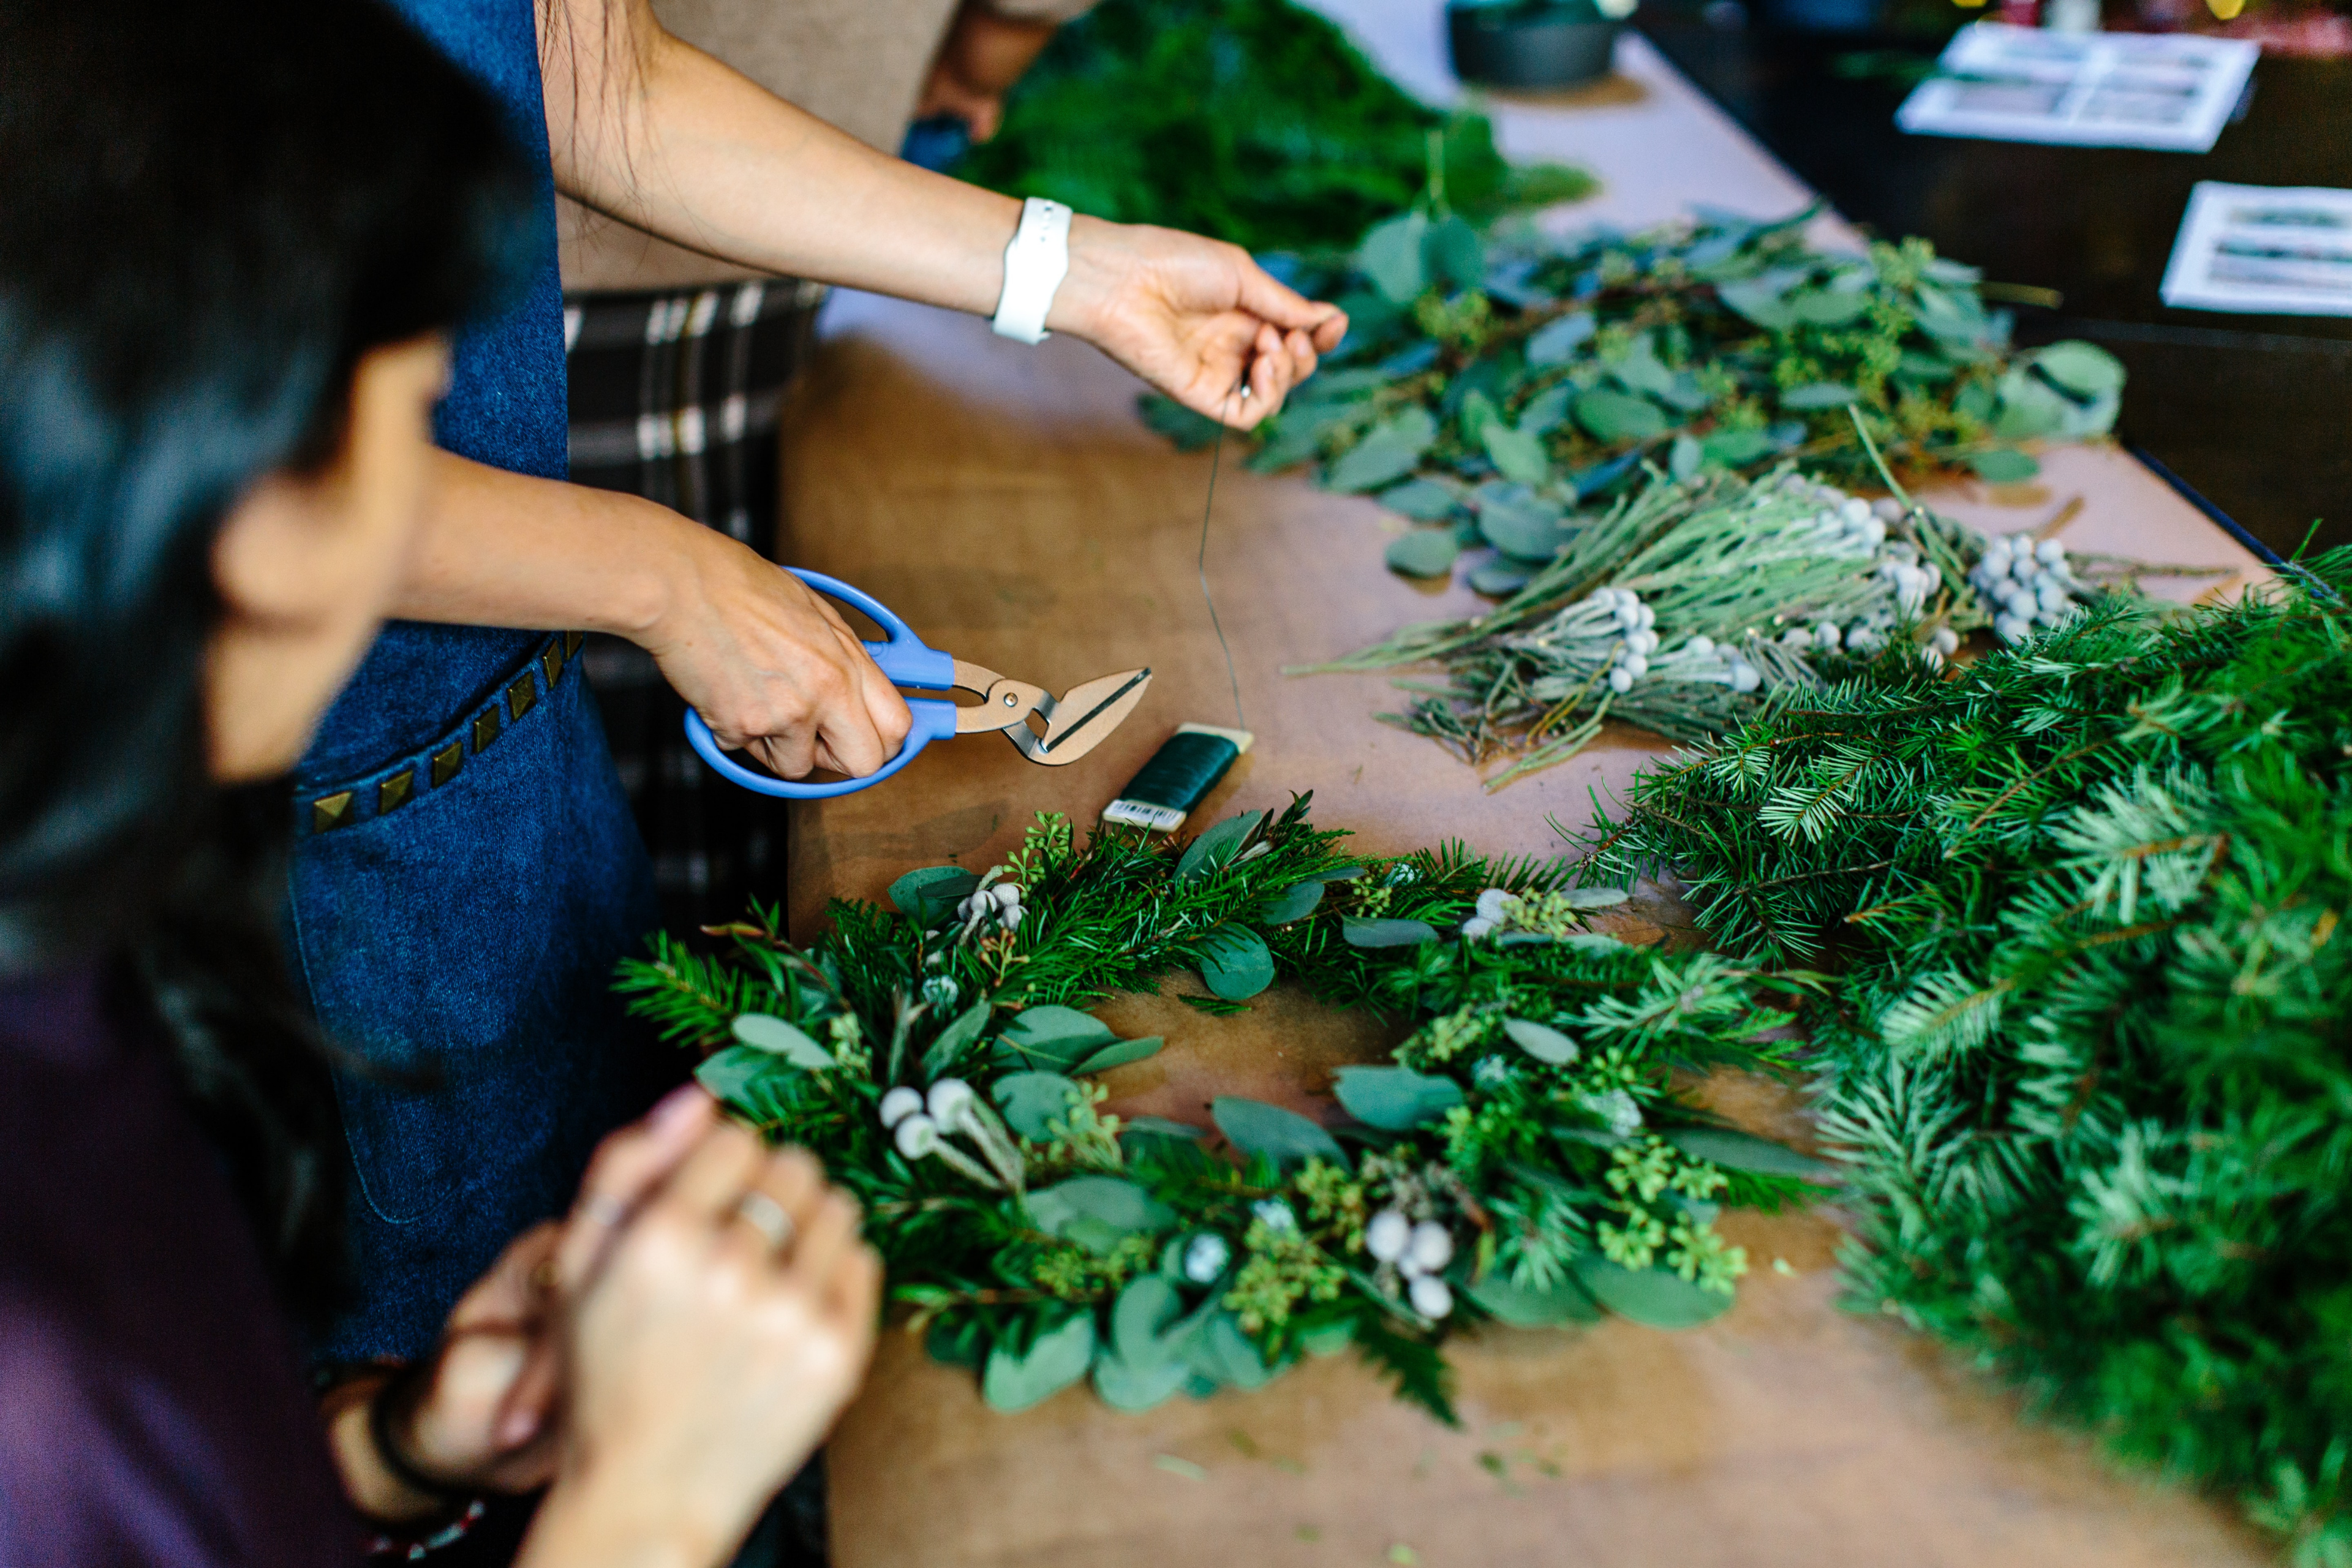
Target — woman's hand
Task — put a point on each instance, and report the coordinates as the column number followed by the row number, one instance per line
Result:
column 720, row 1311
column 1196, row 318
column 474, row 1418
column 770, row 666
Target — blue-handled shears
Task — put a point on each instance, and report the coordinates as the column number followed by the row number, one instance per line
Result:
column 1072, row 724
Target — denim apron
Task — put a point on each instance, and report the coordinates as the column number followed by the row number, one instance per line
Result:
column 467, row 872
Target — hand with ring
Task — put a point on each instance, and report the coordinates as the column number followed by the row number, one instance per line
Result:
column 716, row 1311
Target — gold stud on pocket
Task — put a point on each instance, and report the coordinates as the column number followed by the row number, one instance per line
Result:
column 447, row 762
column 522, row 696
column 571, row 641
column 394, row 793
column 330, row 811
column 551, row 662
column 486, row 730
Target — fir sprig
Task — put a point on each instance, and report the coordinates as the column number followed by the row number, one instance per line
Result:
column 2090, row 1069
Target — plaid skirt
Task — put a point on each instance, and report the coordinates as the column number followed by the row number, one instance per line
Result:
column 675, row 397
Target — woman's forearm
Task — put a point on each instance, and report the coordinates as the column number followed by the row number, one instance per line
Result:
column 652, row 130
column 503, row 549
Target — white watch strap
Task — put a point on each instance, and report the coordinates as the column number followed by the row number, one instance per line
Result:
column 1034, row 264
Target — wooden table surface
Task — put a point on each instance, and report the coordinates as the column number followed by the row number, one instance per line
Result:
column 1009, row 504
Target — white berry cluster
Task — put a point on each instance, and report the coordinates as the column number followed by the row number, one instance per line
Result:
column 1000, row 903
column 920, row 1124
column 1638, row 636
column 1419, row 1253
column 2031, row 582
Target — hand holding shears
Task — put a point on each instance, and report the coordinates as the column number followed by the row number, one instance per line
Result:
column 1069, row 726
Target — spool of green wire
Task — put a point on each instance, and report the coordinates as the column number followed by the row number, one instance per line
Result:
column 1179, row 777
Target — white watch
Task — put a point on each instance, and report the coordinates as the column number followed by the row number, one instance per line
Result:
column 1036, row 262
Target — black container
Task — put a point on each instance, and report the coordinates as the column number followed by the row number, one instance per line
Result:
column 1510, row 45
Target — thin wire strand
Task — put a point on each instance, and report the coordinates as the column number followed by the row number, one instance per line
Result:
column 1207, row 510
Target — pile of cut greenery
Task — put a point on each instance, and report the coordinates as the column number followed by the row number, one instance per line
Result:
column 1523, row 1156
column 1490, row 379
column 1253, row 121
column 2089, row 1056
column 1690, row 603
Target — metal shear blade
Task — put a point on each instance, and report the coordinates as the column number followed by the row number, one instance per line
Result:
column 1075, row 722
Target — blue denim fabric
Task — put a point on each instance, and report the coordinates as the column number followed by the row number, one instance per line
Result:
column 471, row 932
column 474, row 927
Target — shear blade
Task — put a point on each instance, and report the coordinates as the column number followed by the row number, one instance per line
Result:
column 1078, row 722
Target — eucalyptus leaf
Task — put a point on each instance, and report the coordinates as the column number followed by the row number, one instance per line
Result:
column 2003, row 466
column 1737, row 1150
column 1390, row 254
column 1030, row 1100
column 1423, row 500
column 1055, row 1360
column 1453, row 255
column 1119, row 1055
column 1541, row 1041
column 949, row 1047
column 1219, row 1351
column 1829, row 306
column 1517, row 454
column 1556, row 342
column 728, row 1073
column 1477, row 412
column 1524, row 532
column 1685, row 458
column 2029, row 407
column 1389, row 452
column 1619, row 417
column 932, row 893
column 1236, row 962
column 1132, row 1388
column 1655, row 1296
column 1158, row 1127
column 1640, row 369
column 1140, row 1319
column 1819, row 394
column 1098, row 1211
column 1547, row 409
column 1053, row 1036
column 1294, row 902
column 1394, row 1097
column 1594, row 941
column 1358, row 932
column 1497, row 578
column 1254, row 1127
column 1735, row 448
column 2084, row 369
column 1760, row 301
column 762, row 1032
column 1595, row 898
column 1523, row 1309
column 1215, row 849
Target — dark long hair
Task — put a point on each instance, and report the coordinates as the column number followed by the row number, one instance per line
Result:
column 209, row 212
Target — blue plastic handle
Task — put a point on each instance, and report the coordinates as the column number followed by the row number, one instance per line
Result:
column 904, row 659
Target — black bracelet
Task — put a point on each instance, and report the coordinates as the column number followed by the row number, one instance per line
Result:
column 400, row 1390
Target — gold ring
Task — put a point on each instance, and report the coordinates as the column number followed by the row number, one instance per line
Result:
column 766, row 1215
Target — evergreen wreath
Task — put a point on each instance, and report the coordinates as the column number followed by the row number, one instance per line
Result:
column 2087, row 1052
column 1527, row 1155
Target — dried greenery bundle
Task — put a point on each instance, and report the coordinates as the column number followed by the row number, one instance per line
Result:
column 1490, row 385
column 1253, row 120
column 1523, row 1157
column 2088, row 1057
column 1688, row 605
